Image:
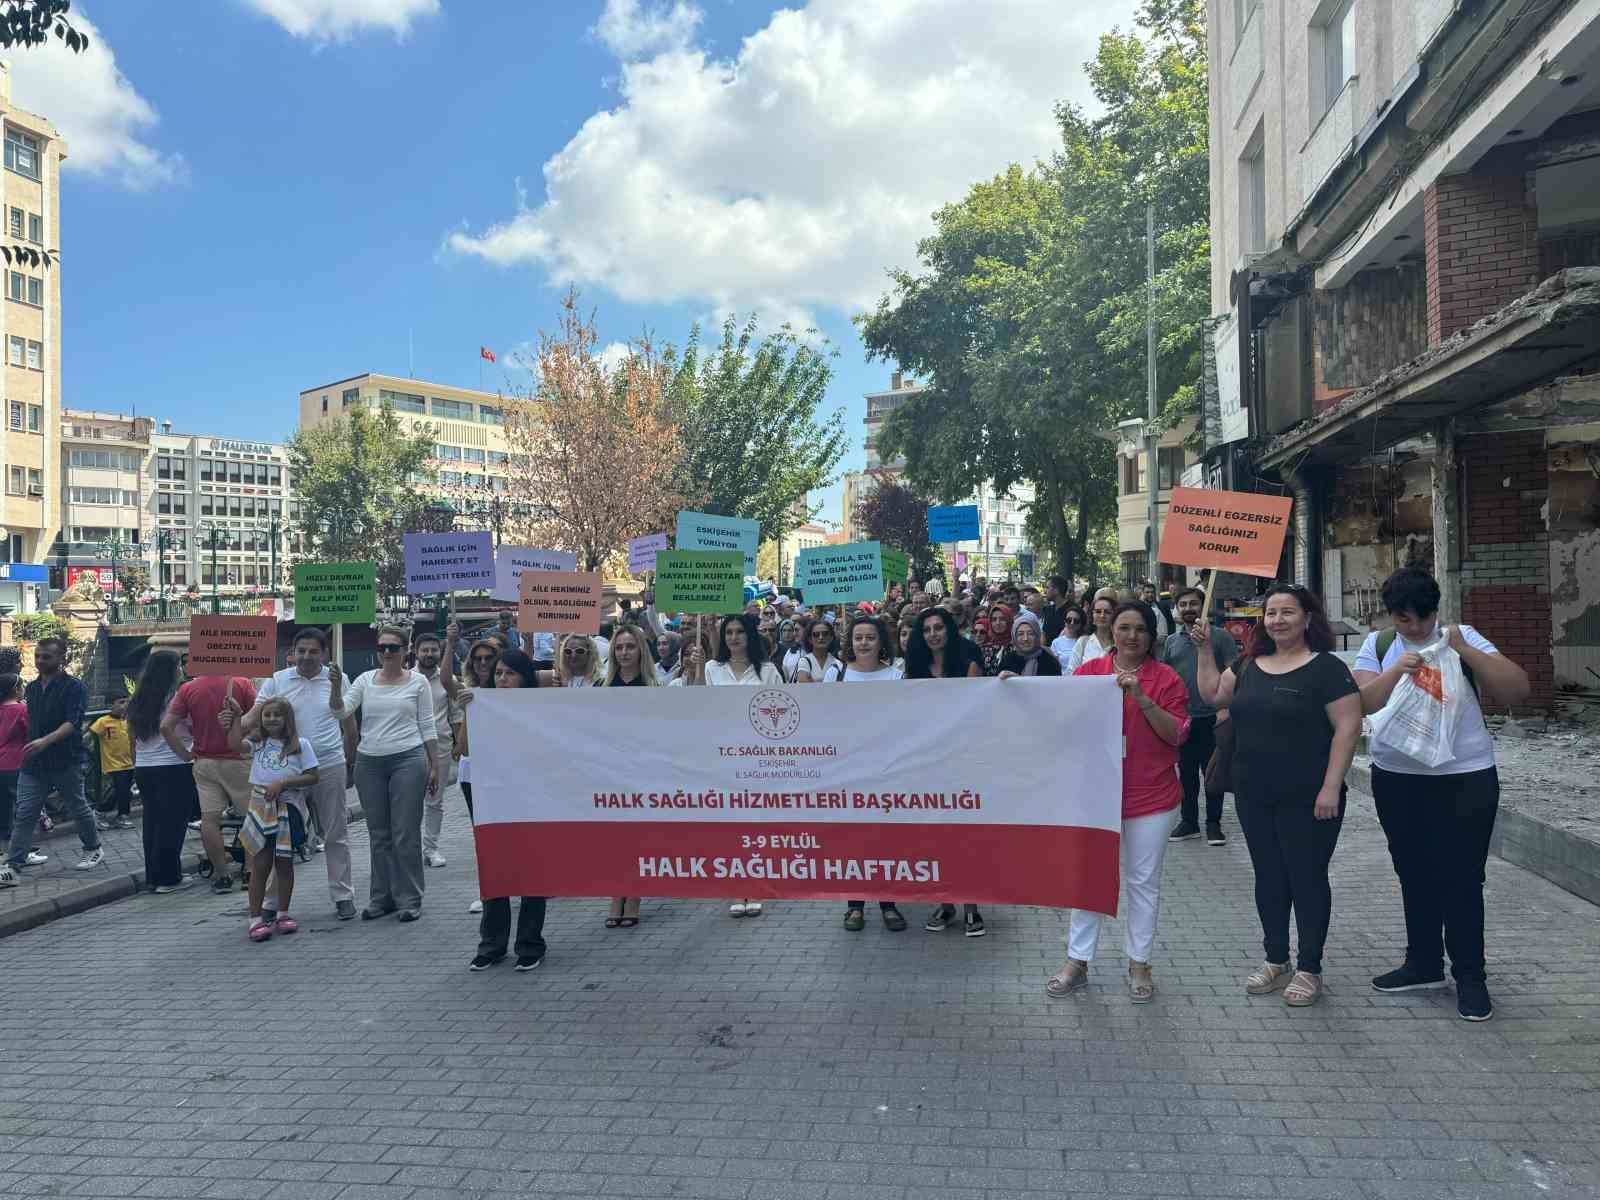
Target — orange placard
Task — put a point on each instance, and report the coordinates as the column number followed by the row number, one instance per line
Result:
column 559, row 602
column 229, row 645
column 1227, row 531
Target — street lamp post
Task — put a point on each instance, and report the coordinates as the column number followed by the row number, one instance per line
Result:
column 114, row 548
column 163, row 540
column 214, row 535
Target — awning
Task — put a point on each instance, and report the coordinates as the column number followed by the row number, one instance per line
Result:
column 1534, row 338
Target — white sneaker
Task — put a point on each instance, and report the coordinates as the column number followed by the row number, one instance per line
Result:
column 91, row 860
column 167, row 889
column 433, row 858
column 8, row 877
column 36, row 859
column 475, row 907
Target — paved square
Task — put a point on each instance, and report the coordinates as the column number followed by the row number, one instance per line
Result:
column 152, row 1051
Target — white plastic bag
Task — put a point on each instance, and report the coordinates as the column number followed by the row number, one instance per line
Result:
column 1420, row 719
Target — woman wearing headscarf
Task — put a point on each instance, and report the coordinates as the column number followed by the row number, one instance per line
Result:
column 998, row 639
column 1027, row 655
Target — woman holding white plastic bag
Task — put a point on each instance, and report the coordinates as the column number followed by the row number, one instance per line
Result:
column 1437, row 817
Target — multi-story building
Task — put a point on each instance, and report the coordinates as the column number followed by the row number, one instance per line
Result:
column 1404, row 233
column 104, row 474
column 30, row 331
column 1133, row 496
column 467, row 427
column 226, row 509
column 803, row 537
column 1001, row 518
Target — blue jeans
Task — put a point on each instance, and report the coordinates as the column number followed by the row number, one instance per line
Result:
column 33, row 785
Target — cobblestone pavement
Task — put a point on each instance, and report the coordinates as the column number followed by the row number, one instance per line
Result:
column 152, row 1051
column 56, row 878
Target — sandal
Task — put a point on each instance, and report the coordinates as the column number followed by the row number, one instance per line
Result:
column 613, row 922
column 1304, row 990
column 1071, row 978
column 855, row 920
column 627, row 922
column 893, row 921
column 1141, row 987
column 737, row 908
column 1268, row 977
column 752, row 908
column 261, row 930
column 285, row 924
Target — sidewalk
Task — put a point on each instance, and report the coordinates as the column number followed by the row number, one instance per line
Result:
column 56, row 889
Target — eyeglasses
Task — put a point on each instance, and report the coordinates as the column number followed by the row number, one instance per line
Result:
column 389, row 648
column 574, row 654
column 1074, row 621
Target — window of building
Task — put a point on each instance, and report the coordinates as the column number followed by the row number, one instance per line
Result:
column 406, row 402
column 180, row 470
column 447, row 453
column 17, row 286
column 1253, row 194
column 450, row 478
column 276, row 507
column 261, row 474
column 1169, row 459
column 234, row 503
column 472, row 455
column 17, row 413
column 455, row 410
column 205, row 470
column 36, row 229
column 35, row 356
column 16, row 350
column 15, row 223
column 22, row 153
column 180, row 504
column 498, row 458
column 1333, row 52
column 274, row 475
column 163, row 467
column 324, row 404
column 233, row 472
column 205, row 505
column 178, row 573
column 17, row 482
column 164, row 503
column 349, row 396
column 35, row 418
column 491, row 416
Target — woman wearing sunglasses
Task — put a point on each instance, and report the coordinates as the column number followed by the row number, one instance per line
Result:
column 579, row 663
column 397, row 764
column 820, row 663
column 1073, row 624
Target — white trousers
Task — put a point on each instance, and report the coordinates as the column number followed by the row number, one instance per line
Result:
column 1144, row 846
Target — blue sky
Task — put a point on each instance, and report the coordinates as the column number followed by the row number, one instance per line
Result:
column 280, row 193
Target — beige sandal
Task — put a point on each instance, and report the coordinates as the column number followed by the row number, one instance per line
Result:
column 1141, row 986
column 1071, row 978
column 1268, row 977
column 1304, row 989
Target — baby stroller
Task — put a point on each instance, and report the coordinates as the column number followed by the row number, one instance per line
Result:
column 232, row 821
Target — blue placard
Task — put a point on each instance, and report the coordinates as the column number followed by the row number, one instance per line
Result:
column 702, row 531
column 953, row 523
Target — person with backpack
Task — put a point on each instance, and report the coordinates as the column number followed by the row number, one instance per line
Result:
column 1438, row 819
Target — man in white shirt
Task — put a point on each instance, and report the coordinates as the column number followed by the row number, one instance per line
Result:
column 447, row 719
column 305, row 686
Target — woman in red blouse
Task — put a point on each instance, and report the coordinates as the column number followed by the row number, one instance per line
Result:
column 1155, row 722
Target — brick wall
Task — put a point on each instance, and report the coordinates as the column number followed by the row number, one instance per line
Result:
column 1372, row 325
column 1505, row 570
column 1482, row 239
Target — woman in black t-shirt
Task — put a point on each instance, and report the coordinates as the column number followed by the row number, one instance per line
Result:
column 1296, row 715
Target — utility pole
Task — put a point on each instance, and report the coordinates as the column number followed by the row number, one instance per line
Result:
column 272, row 532
column 213, row 535
column 1152, row 440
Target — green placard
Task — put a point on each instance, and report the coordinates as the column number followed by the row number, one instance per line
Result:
column 699, row 581
column 896, row 566
column 335, row 593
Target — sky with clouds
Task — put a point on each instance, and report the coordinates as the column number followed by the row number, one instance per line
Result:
column 268, row 195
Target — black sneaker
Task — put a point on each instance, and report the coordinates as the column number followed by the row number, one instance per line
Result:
column 939, row 919
column 1473, row 1003
column 527, row 962
column 1184, row 831
column 221, row 884
column 975, row 924
column 483, row 962
column 1214, row 834
column 1409, row 979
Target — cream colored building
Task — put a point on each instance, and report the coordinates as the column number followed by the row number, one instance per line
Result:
column 1133, row 496
column 30, row 328
column 467, row 427
column 103, row 492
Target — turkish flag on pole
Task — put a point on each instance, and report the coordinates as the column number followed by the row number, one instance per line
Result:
column 485, row 352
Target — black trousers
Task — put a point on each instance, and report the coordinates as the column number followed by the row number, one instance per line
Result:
column 122, row 791
column 883, row 905
column 1290, row 850
column 494, row 927
column 1438, row 828
column 168, row 793
column 1193, row 756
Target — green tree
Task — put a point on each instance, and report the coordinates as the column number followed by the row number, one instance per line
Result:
column 747, row 408
column 28, row 23
column 1028, row 316
column 355, row 479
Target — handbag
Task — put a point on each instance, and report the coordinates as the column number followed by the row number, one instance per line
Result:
column 1219, row 771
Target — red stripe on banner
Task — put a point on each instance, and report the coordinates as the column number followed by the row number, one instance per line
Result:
column 1054, row 865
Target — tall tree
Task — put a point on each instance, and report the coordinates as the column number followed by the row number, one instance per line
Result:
column 595, row 451
column 897, row 515
column 748, row 409
column 28, row 23
column 355, row 479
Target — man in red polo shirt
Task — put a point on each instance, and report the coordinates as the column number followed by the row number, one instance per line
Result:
column 221, row 776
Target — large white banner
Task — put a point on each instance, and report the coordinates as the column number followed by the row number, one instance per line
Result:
column 966, row 790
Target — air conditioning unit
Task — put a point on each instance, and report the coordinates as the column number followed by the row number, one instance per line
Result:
column 36, row 489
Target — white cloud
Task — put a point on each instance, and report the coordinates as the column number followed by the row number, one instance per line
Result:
column 631, row 28
column 339, row 20
column 614, row 354
column 789, row 179
column 99, row 113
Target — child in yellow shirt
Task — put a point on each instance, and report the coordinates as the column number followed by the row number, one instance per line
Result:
column 116, row 761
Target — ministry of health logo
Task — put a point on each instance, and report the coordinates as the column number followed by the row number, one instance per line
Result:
column 774, row 714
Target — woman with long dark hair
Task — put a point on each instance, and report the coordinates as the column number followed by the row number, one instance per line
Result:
column 820, row 661
column 938, row 651
column 1296, row 714
column 869, row 659
column 1155, row 722
column 480, row 662
column 164, row 769
column 1073, row 625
